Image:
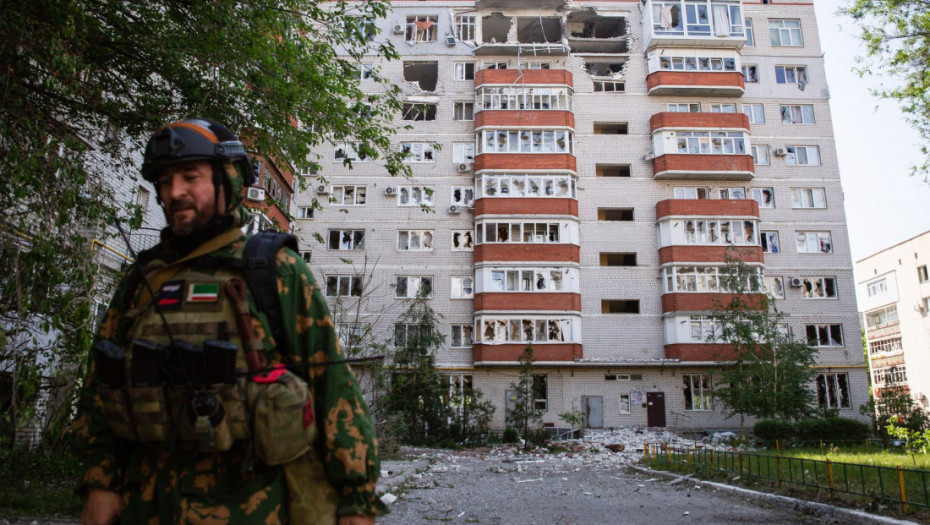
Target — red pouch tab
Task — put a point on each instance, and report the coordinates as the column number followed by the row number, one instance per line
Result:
column 270, row 376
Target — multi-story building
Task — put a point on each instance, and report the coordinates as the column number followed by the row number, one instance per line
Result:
column 894, row 294
column 597, row 160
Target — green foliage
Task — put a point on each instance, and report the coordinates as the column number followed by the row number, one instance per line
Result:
column 34, row 482
column 524, row 416
column 772, row 429
column 574, row 418
column 916, row 442
column 511, row 435
column 87, row 82
column 770, row 374
column 896, row 34
column 827, row 429
column 896, row 405
column 538, row 437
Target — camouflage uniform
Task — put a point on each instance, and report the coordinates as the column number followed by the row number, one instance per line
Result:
column 173, row 483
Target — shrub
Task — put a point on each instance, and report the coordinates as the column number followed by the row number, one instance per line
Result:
column 511, row 435
column 833, row 429
column 772, row 429
column 538, row 437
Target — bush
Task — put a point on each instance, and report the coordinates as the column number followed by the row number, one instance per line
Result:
column 511, row 435
column 39, row 482
column 772, row 429
column 538, row 437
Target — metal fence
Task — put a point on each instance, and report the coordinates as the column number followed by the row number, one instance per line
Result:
column 906, row 487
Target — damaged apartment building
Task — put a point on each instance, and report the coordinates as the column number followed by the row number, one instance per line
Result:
column 586, row 166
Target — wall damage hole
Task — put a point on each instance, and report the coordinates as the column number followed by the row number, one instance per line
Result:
column 538, row 30
column 611, row 128
column 600, row 68
column 495, row 28
column 426, row 74
column 593, row 33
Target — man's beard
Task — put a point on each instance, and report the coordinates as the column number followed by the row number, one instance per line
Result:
column 184, row 228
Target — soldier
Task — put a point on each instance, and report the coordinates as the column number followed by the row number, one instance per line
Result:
column 179, row 419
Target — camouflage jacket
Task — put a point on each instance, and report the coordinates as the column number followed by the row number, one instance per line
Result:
column 175, row 484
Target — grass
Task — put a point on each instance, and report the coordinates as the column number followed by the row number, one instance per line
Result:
column 861, row 455
column 37, row 482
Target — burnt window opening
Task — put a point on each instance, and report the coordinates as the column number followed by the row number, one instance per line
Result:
column 419, row 111
column 604, row 69
column 426, row 74
column 589, row 32
column 618, row 259
column 538, row 30
column 615, row 214
column 495, row 28
column 620, row 306
column 613, row 170
column 611, row 128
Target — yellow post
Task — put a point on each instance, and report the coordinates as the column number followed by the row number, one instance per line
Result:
column 778, row 468
column 830, row 475
column 776, row 446
column 689, row 458
column 821, row 446
column 903, row 492
column 645, row 450
column 668, row 453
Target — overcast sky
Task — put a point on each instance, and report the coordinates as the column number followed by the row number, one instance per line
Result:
column 876, row 147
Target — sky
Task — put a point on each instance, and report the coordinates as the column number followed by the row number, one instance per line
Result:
column 875, row 145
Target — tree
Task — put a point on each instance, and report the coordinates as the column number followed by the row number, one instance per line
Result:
column 769, row 375
column 86, row 81
column 524, row 415
column 897, row 38
column 414, row 391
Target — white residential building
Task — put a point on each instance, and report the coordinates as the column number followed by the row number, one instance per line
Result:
column 597, row 159
column 894, row 295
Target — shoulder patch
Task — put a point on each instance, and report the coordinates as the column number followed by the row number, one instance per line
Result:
column 170, row 294
column 203, row 293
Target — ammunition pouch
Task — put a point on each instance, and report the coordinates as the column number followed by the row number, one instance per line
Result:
column 282, row 417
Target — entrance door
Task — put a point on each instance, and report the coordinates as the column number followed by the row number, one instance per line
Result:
column 593, row 411
column 655, row 409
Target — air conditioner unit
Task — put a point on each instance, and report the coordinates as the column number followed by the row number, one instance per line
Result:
column 464, row 167
column 455, row 208
column 255, row 194
column 795, row 282
column 399, row 29
column 390, row 190
column 781, row 152
column 450, row 41
column 322, row 189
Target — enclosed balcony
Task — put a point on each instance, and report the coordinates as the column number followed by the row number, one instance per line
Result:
column 696, row 83
column 693, row 23
column 701, row 154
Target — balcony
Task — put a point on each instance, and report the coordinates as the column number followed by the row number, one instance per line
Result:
column 526, row 161
column 708, row 24
column 696, row 83
column 527, row 252
column 589, row 32
column 686, row 166
column 731, row 208
column 527, row 301
column 700, row 352
column 524, row 118
column 508, row 77
column 520, row 4
column 510, row 353
column 717, row 121
column 534, row 35
column 706, row 302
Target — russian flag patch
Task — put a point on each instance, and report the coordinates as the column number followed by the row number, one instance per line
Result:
column 169, row 296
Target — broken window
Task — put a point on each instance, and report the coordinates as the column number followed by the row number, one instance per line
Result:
column 365, row 71
column 343, row 286
column 539, row 30
column 709, row 231
column 615, row 214
column 464, row 71
column 426, row 74
column 609, row 86
column 463, row 152
column 304, row 212
column 407, row 333
column 463, row 288
column 760, row 155
column 613, row 170
column 524, row 97
column 417, row 152
column 833, row 390
column 702, row 279
column 495, row 65
column 770, row 242
column 618, row 259
column 624, row 403
column 534, row 65
column 700, row 63
column 818, row 288
column 604, row 69
column 461, row 336
column 922, row 275
column 696, row 391
column 495, row 28
column 611, row 128
column 463, row 240
column 525, row 141
column 775, row 286
column 711, row 142
column 414, row 196
column 464, row 111
column 797, row 114
column 791, row 75
column 808, row 198
column 750, row 73
column 802, row 155
column 346, row 239
column 463, row 196
column 540, row 392
column 415, row 240
column 421, row 28
column 418, row 111
column 764, row 196
column 518, row 232
column 348, row 195
column 814, row 242
column 620, row 306
column 347, row 151
column 465, row 28
column 512, row 185
column 412, row 287
column 732, row 193
column 528, row 280
column 704, row 328
column 589, row 32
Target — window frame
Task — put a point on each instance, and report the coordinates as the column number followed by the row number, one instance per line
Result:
column 413, row 32
column 353, row 283
column 468, row 244
column 778, row 26
column 463, row 329
column 462, row 286
column 801, row 195
column 424, row 239
column 357, row 242
column 340, row 190
column 416, row 196
column 420, row 281
column 817, row 241
column 825, row 329
column 809, row 287
column 842, row 397
column 700, row 390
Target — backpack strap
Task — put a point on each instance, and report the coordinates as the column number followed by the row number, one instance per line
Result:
column 259, row 256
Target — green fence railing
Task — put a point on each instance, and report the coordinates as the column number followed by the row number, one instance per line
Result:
column 890, row 484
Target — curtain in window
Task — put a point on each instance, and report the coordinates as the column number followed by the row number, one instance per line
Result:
column 721, row 20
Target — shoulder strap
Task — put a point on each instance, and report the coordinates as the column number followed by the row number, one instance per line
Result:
column 260, row 254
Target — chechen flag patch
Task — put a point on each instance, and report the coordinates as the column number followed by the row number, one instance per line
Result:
column 203, row 293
